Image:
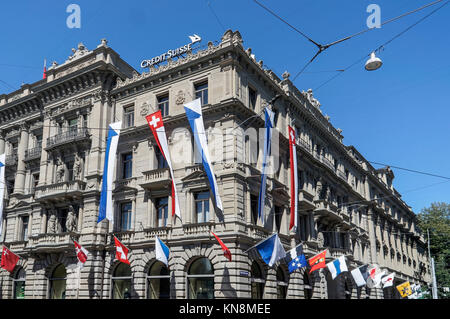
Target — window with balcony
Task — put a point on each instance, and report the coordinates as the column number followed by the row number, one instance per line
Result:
column 73, row 125
column 24, row 226
column 252, row 98
column 201, row 91
column 160, row 159
column 70, row 170
column 201, row 207
column 163, row 104
column 162, row 208
column 34, row 182
column 125, row 216
column 128, row 116
column 127, row 165
column 254, row 208
column 62, row 219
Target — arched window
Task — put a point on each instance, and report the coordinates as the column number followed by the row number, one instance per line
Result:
column 58, row 283
column 19, row 284
column 200, row 279
column 258, row 281
column 282, row 284
column 308, row 286
column 158, row 280
column 121, row 282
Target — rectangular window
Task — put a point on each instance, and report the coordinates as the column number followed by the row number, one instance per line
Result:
column 127, row 165
column 201, row 91
column 25, row 228
column 62, row 218
column 162, row 163
column 252, row 98
column 202, row 207
column 278, row 215
column 34, row 182
column 70, row 170
column 254, row 208
column 162, row 208
column 128, row 116
column 125, row 216
column 38, row 141
column 163, row 105
column 73, row 125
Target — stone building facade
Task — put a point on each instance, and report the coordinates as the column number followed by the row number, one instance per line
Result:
column 54, row 134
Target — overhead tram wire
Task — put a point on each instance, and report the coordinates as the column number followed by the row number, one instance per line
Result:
column 386, row 43
column 322, row 47
column 411, row 170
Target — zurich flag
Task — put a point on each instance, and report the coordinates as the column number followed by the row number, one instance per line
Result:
column 271, row 250
column 106, row 208
column 161, row 251
column 337, row 266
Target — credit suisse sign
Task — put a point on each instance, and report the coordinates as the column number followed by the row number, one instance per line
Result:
column 171, row 53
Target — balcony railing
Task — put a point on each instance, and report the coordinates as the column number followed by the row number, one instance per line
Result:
column 156, row 178
column 197, row 229
column 33, row 153
column 52, row 241
column 72, row 135
column 60, row 190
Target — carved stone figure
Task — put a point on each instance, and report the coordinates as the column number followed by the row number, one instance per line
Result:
column 311, row 98
column 180, row 98
column 60, row 171
column 51, row 224
column 328, row 194
column 71, row 220
column 77, row 169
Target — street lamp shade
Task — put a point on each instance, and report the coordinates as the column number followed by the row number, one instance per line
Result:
column 373, row 63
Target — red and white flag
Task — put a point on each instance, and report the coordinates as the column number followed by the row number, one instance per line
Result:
column 121, row 251
column 226, row 251
column 9, row 259
column 388, row 280
column 294, row 180
column 82, row 254
column 156, row 124
column 44, row 75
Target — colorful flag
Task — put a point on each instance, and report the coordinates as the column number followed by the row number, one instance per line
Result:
column 271, row 249
column 295, row 258
column 404, row 289
column 388, row 280
column 161, row 251
column 9, row 259
column 375, row 280
column 82, row 254
column 121, row 251
column 337, row 266
column 226, row 251
column 2, row 187
column 194, row 115
column 318, row 261
column 106, row 208
column 269, row 116
column 156, row 124
column 294, row 180
column 360, row 275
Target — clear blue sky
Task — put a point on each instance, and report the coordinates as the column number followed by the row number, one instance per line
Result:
column 398, row 114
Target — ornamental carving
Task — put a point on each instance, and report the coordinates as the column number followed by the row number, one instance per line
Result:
column 145, row 109
column 180, row 98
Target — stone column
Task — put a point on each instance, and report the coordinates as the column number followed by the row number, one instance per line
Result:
column 2, row 142
column 372, row 237
column 23, row 145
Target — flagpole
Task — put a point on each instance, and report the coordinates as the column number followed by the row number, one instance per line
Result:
column 433, row 274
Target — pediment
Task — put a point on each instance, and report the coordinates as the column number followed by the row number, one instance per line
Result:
column 194, row 176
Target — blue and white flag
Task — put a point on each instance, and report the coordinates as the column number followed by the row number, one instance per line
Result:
column 2, row 187
column 106, row 208
column 271, row 250
column 295, row 258
column 161, row 251
column 194, row 115
column 269, row 116
column 337, row 266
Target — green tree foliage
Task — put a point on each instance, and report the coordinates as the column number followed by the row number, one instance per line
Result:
column 436, row 219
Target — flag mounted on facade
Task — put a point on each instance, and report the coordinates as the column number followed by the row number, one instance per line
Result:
column 269, row 117
column 271, row 249
column 2, row 187
column 194, row 115
column 295, row 258
column 337, row 266
column 388, row 280
column 375, row 275
column 121, row 251
column 106, row 209
column 82, row 254
column 9, row 259
column 226, row 251
column 156, row 124
column 294, row 180
column 318, row 261
column 404, row 289
column 44, row 74
column 360, row 275
column 161, row 251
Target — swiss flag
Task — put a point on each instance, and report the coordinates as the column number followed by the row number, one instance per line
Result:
column 81, row 253
column 121, row 251
column 226, row 251
column 318, row 261
column 9, row 259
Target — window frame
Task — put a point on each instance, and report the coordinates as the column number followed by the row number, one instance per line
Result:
column 205, row 216
column 129, row 218
column 128, row 115
column 124, row 165
column 162, row 101
column 200, row 88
